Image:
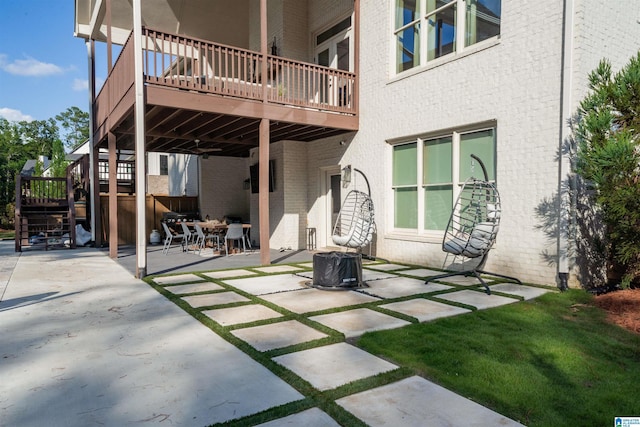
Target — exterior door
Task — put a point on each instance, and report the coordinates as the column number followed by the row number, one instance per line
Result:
column 333, row 198
column 333, row 49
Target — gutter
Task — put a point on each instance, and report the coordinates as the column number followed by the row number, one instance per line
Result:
column 564, row 164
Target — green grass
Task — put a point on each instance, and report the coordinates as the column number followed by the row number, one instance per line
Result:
column 7, row 234
column 548, row 362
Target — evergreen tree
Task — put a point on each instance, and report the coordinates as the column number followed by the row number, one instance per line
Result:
column 608, row 159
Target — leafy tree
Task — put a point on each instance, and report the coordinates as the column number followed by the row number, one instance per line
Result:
column 13, row 155
column 58, row 165
column 38, row 137
column 608, row 159
column 75, row 123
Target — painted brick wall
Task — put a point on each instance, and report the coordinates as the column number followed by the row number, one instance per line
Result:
column 611, row 32
column 221, row 187
column 514, row 82
column 288, row 201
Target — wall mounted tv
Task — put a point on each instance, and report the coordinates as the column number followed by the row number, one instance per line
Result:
column 254, row 172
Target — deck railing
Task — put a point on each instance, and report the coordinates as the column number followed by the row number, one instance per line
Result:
column 43, row 192
column 199, row 65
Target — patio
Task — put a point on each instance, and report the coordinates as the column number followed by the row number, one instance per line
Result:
column 267, row 342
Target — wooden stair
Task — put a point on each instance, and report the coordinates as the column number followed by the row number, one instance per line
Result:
column 45, row 213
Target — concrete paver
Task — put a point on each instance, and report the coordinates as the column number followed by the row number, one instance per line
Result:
column 402, row 286
column 466, row 280
column 333, row 365
column 526, row 292
column 477, row 299
column 421, row 272
column 278, row 269
column 416, row 402
column 278, row 335
column 242, row 314
column 309, row 300
column 387, row 267
column 425, row 310
column 224, row 274
column 268, row 284
column 193, row 288
column 220, row 298
column 353, row 323
column 313, row 417
column 181, row 278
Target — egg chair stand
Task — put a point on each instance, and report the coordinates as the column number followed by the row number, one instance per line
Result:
column 473, row 227
column 353, row 229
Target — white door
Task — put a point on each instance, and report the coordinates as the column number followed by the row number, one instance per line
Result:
column 333, row 49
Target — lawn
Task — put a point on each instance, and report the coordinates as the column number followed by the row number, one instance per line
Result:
column 551, row 361
column 7, row 234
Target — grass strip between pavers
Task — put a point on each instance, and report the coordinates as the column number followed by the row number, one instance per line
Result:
column 324, row 400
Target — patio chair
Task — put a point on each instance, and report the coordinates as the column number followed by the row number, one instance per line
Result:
column 170, row 237
column 473, row 227
column 189, row 236
column 201, row 239
column 234, row 233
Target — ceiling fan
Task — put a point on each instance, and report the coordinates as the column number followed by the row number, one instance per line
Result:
column 204, row 151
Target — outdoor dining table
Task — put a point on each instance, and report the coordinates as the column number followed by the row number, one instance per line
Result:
column 214, row 226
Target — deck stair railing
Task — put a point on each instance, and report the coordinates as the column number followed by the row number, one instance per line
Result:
column 45, row 213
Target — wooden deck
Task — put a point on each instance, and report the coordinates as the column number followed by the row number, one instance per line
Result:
column 197, row 89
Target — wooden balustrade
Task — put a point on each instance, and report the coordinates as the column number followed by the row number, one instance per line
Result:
column 189, row 63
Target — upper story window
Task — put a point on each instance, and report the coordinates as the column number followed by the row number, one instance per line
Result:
column 164, row 164
column 428, row 29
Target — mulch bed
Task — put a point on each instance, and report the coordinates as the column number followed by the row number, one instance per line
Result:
column 622, row 307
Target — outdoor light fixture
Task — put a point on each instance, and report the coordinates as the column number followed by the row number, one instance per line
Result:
column 346, row 176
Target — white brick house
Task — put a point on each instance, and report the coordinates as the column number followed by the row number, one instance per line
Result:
column 503, row 88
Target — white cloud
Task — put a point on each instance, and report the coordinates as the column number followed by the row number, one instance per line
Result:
column 80, row 85
column 28, row 67
column 14, row 115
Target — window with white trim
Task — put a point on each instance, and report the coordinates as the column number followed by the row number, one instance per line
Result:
column 428, row 29
column 427, row 174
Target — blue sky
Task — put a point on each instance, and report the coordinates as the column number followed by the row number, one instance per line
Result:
column 43, row 67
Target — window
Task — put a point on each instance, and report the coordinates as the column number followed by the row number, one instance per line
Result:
column 428, row 173
column 428, row 29
column 164, row 164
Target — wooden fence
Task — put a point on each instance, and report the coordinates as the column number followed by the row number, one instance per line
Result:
column 155, row 207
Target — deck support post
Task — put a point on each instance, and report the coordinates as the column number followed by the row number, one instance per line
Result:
column 141, row 172
column 113, row 196
column 263, row 148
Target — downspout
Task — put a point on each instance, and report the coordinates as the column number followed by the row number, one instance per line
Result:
column 564, row 163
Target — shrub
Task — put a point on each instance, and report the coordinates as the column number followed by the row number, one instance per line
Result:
column 608, row 159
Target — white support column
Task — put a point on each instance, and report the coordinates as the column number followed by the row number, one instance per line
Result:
column 95, row 201
column 139, row 107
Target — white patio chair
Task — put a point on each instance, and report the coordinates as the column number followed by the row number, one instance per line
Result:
column 234, row 233
column 170, row 237
column 189, row 236
column 200, row 239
